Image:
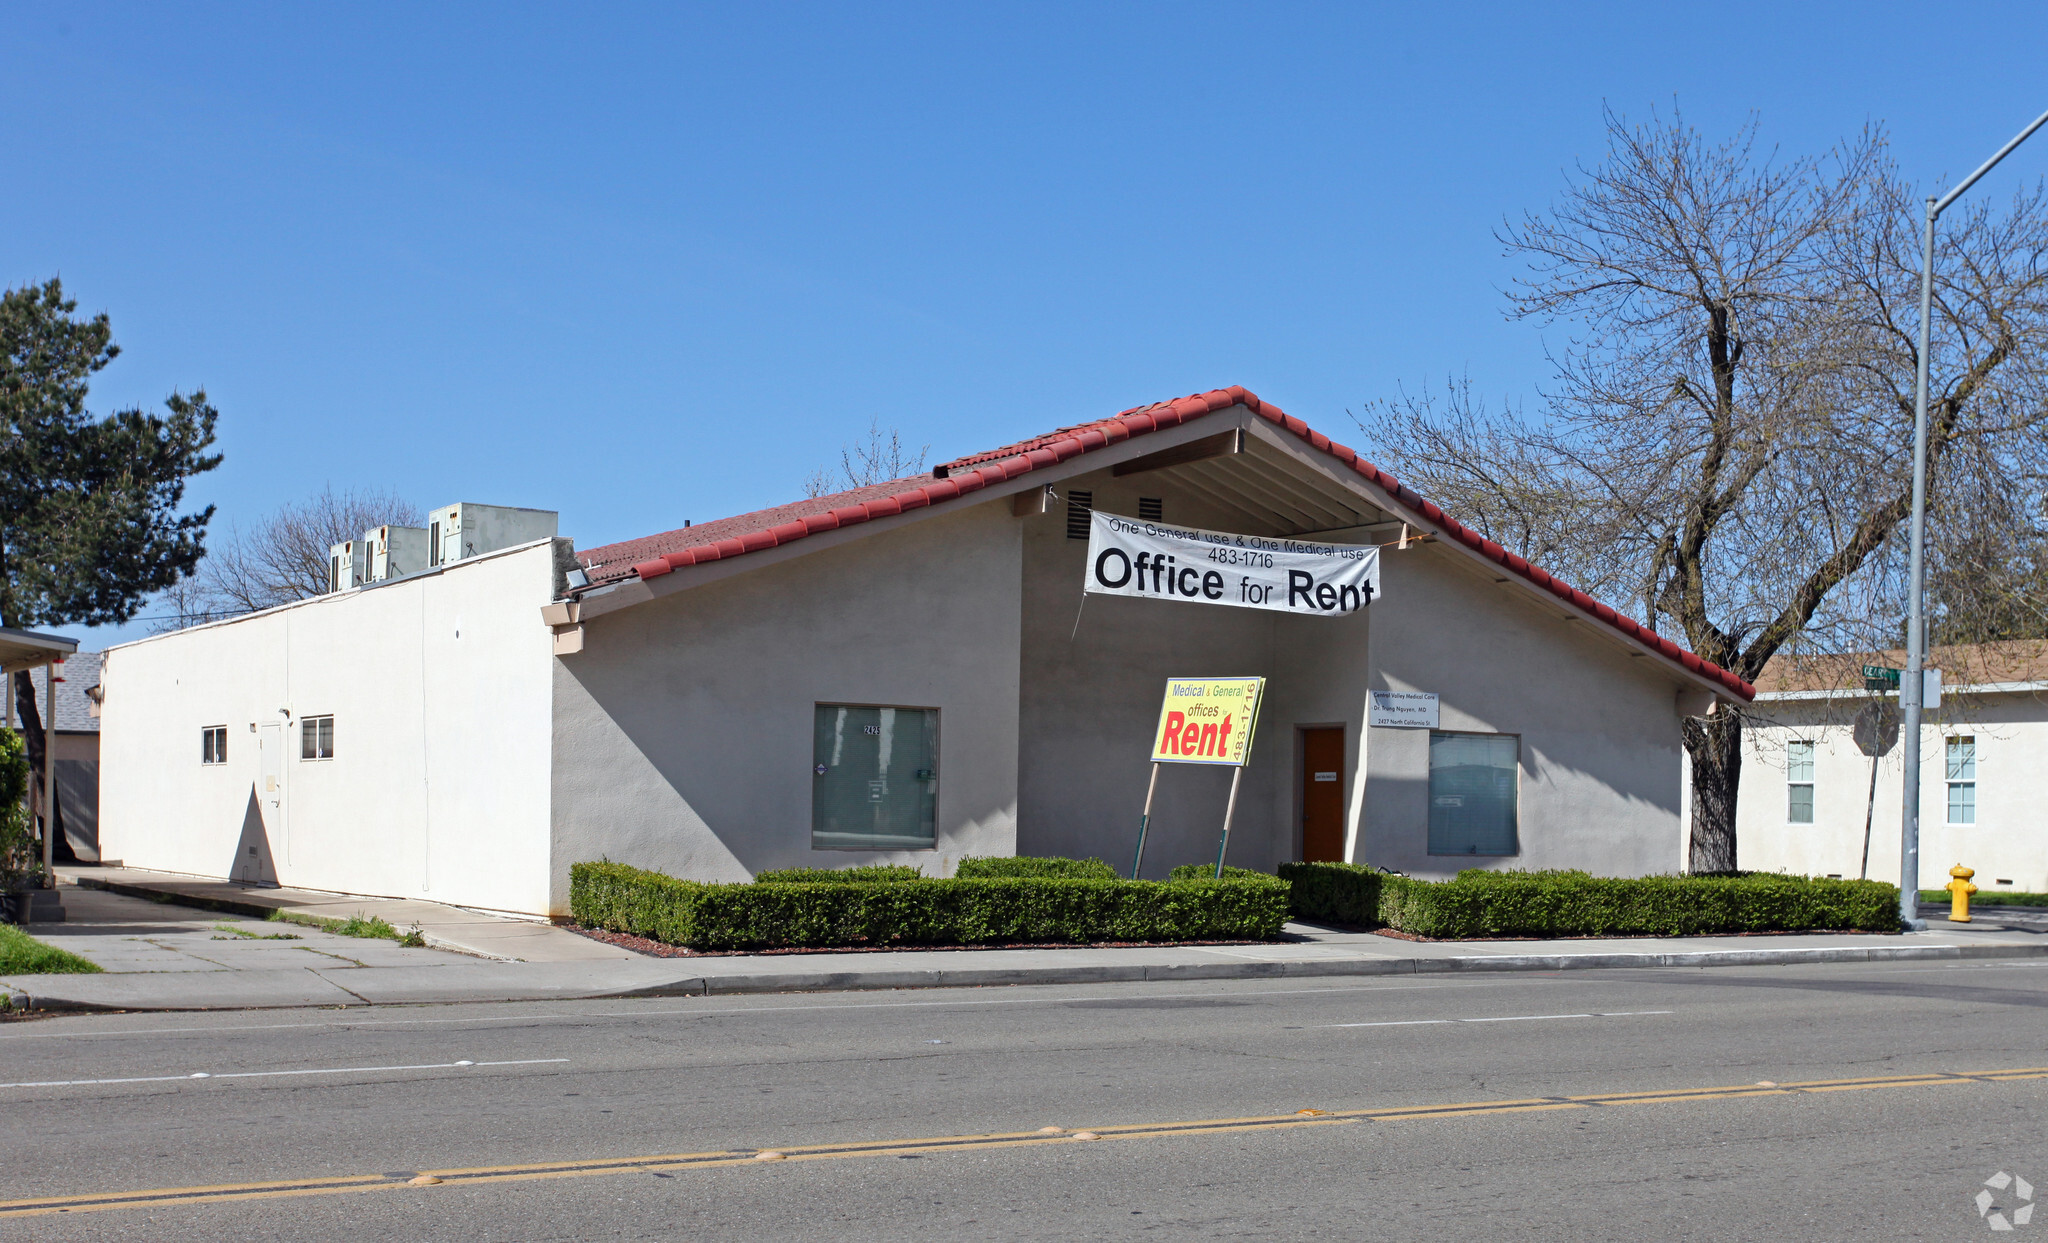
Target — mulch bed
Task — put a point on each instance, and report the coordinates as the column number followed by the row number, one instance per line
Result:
column 661, row 949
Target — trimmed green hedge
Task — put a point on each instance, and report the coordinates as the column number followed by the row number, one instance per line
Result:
column 874, row 873
column 972, row 911
column 1984, row 897
column 991, row 867
column 1480, row 903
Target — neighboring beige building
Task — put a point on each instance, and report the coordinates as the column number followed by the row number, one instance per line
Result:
column 77, row 753
column 907, row 672
column 1807, row 789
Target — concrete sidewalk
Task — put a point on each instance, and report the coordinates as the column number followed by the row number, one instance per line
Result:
column 165, row 957
column 443, row 927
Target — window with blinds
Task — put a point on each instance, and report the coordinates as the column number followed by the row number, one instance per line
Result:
column 1962, row 780
column 874, row 778
column 1473, row 784
column 1799, row 782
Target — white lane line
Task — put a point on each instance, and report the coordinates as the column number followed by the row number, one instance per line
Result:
column 266, row 1074
column 1373, row 985
column 1509, row 1018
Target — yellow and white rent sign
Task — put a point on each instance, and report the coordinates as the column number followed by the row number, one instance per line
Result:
column 1208, row 721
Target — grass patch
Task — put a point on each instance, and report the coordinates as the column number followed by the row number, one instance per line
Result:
column 22, row 954
column 356, row 925
column 1985, row 897
column 234, row 933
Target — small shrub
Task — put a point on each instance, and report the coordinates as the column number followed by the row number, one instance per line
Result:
column 1207, row 871
column 20, row 860
column 988, row 867
column 873, row 873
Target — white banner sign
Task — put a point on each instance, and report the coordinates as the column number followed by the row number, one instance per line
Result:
column 1401, row 709
column 1132, row 557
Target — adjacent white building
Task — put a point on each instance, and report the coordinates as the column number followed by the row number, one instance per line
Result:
column 908, row 673
column 1807, row 788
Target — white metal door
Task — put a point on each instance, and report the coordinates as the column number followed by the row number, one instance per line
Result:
column 270, row 780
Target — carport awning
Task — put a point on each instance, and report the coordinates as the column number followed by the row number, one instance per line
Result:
column 30, row 649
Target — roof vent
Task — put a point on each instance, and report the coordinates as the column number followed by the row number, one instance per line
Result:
column 1079, row 506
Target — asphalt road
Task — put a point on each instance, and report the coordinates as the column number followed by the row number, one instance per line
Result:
column 874, row 1097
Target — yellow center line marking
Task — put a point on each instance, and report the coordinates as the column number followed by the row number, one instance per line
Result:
column 585, row 1168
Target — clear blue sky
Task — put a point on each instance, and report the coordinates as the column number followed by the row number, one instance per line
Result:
column 648, row 263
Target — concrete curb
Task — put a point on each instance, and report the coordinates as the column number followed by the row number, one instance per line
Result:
column 846, row 981
column 190, row 994
column 164, row 897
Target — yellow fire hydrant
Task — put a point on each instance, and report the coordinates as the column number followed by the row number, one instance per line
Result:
column 1960, row 890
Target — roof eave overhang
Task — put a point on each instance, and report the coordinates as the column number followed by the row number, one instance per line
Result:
column 1045, row 470
column 1478, row 556
column 32, row 649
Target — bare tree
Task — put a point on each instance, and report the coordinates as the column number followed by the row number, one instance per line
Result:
column 186, row 603
column 878, row 458
column 1727, row 444
column 282, row 558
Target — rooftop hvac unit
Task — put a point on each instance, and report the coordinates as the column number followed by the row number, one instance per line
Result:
column 346, row 565
column 469, row 530
column 394, row 552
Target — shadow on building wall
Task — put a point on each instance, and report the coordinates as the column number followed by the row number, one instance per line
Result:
column 253, row 863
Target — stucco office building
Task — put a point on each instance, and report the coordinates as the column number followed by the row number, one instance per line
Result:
column 908, row 672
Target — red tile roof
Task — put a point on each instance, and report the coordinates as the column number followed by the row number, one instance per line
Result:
column 655, row 555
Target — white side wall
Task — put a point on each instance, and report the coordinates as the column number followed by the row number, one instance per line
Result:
column 439, row 687
column 2008, row 841
column 683, row 729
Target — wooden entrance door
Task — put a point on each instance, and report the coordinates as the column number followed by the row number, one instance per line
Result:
column 1322, row 795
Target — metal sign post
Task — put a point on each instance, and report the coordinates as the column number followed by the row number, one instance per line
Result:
column 1876, row 732
column 1144, row 820
column 1229, row 810
column 1912, row 689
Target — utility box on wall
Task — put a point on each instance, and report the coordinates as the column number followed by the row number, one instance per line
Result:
column 466, row 529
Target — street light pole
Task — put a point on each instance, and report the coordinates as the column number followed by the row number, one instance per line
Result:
column 1913, row 684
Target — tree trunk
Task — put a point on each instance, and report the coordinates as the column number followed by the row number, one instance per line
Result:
column 30, row 724
column 1715, row 745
